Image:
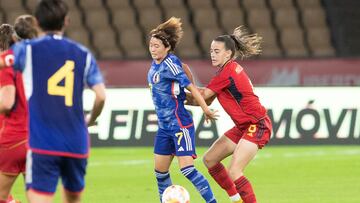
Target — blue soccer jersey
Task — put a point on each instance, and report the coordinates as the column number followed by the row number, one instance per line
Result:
column 167, row 81
column 55, row 71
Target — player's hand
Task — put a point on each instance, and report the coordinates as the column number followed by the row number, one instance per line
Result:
column 190, row 100
column 211, row 115
column 89, row 121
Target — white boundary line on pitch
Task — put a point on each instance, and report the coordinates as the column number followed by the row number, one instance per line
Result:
column 264, row 155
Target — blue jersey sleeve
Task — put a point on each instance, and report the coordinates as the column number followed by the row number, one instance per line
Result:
column 93, row 75
column 19, row 50
column 176, row 72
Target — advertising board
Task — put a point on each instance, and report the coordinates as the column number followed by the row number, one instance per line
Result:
column 300, row 115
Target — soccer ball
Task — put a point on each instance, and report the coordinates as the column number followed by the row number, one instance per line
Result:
column 175, row 194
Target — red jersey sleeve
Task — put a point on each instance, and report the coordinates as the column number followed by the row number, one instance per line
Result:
column 7, row 57
column 219, row 82
column 7, row 76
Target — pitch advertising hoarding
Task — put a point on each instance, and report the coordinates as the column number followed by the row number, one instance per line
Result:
column 300, row 115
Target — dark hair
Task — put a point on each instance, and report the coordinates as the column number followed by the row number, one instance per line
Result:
column 169, row 32
column 51, row 14
column 25, row 27
column 241, row 43
column 6, row 36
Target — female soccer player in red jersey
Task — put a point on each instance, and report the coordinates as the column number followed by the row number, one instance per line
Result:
column 26, row 27
column 13, row 130
column 13, row 109
column 252, row 129
column 13, row 121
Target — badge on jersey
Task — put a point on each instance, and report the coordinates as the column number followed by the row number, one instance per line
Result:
column 238, row 69
column 156, row 77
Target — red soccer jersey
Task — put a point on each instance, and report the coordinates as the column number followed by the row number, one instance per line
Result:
column 236, row 95
column 14, row 126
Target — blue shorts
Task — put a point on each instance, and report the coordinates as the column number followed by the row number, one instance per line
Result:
column 44, row 171
column 179, row 142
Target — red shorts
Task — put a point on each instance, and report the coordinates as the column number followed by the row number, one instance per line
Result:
column 13, row 159
column 258, row 133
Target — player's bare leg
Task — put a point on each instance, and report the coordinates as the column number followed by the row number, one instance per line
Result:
column 162, row 162
column 35, row 197
column 185, row 161
column 6, row 182
column 220, row 149
column 245, row 151
column 70, row 197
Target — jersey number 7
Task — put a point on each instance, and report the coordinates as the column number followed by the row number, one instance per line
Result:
column 66, row 73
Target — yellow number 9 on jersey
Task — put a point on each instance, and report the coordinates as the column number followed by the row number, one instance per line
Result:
column 66, row 73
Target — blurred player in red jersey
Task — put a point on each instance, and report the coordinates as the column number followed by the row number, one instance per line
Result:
column 26, row 27
column 13, row 118
column 13, row 109
column 252, row 129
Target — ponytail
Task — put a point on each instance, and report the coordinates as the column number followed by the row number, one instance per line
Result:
column 241, row 43
column 246, row 45
column 6, row 36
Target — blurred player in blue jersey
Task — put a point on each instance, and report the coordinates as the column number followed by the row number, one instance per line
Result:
column 176, row 135
column 55, row 71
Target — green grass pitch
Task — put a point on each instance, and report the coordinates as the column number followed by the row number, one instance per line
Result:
column 321, row 174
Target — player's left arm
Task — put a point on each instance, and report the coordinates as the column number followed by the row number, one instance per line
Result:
column 99, row 102
column 189, row 97
column 7, row 98
column 188, row 72
column 15, row 56
column 95, row 81
column 6, row 59
column 209, row 114
column 207, row 94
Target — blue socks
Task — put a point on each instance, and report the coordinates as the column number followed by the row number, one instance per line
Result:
column 200, row 182
column 163, row 181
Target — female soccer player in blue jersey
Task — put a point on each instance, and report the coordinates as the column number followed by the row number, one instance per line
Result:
column 56, row 70
column 176, row 135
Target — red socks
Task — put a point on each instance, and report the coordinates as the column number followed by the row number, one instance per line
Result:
column 245, row 190
column 241, row 186
column 221, row 176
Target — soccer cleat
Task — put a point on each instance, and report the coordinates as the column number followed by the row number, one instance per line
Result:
column 239, row 201
column 14, row 201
